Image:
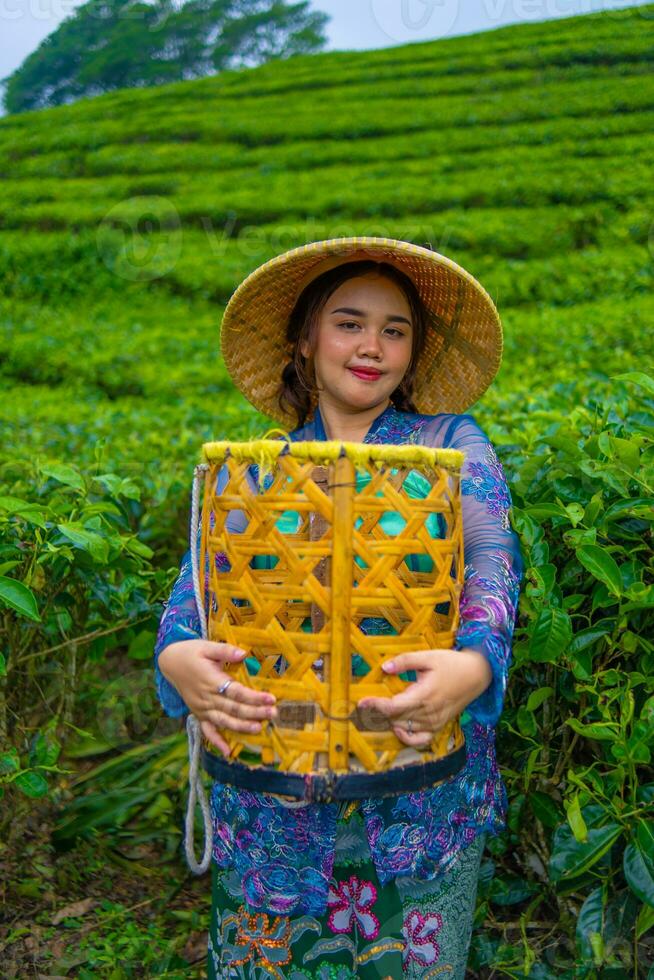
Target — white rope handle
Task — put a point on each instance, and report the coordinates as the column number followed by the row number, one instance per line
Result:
column 196, row 789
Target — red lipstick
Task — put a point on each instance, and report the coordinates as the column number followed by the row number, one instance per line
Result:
column 366, row 374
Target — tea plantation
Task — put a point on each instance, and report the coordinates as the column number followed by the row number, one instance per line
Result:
column 525, row 154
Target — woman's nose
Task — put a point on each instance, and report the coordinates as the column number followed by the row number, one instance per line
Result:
column 369, row 345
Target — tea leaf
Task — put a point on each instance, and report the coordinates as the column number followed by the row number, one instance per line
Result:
column 87, row 540
column 645, row 838
column 31, row 513
column 645, row 920
column 604, row 731
column 32, row 784
column 602, row 565
column 590, row 920
column 638, row 378
column 536, row 698
column 544, row 809
column 19, row 598
column 585, row 638
column 9, row 762
column 639, row 873
column 550, row 636
column 63, row 474
column 571, row 858
column 576, row 821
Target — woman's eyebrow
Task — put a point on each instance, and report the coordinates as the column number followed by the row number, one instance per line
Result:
column 390, row 318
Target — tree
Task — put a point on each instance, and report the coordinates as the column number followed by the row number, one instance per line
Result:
column 112, row 44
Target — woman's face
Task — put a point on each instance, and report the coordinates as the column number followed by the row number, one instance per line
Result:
column 365, row 323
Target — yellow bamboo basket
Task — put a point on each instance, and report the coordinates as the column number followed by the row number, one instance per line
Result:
column 322, row 560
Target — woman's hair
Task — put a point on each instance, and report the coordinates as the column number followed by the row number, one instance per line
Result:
column 298, row 376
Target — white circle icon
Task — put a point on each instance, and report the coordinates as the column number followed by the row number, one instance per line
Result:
column 140, row 238
column 412, row 20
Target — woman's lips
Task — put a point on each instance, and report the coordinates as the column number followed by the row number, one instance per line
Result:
column 366, row 375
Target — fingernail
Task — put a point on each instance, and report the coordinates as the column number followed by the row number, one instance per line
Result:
column 388, row 666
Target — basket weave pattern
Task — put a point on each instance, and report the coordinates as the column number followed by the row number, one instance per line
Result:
column 338, row 567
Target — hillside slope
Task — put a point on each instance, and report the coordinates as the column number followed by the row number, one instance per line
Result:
column 126, row 221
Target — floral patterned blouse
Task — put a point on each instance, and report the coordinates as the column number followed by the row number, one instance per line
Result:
column 284, row 853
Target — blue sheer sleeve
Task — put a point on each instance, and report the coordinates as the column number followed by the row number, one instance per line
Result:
column 180, row 619
column 493, row 560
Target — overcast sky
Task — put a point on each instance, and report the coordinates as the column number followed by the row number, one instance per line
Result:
column 355, row 24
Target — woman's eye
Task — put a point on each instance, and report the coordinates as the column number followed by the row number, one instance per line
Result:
column 393, row 330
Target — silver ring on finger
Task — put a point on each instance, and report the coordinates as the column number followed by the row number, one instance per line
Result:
column 223, row 687
column 409, row 726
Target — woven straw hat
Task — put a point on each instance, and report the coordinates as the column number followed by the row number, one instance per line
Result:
column 463, row 348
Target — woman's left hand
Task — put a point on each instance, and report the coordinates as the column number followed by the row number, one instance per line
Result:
column 447, row 681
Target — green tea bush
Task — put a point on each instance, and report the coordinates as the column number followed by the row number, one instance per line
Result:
column 561, row 280
column 577, row 861
column 283, row 120
column 455, row 146
column 74, row 578
column 336, row 194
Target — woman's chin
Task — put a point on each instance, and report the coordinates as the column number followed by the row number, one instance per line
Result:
column 364, row 402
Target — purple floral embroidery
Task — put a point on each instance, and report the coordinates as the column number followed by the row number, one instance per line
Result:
column 487, row 482
column 494, row 600
column 259, row 837
column 416, row 833
column 488, row 607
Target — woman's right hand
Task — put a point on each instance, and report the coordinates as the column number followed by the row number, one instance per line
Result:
column 194, row 667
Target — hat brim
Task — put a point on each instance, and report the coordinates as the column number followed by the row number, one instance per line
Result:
column 463, row 348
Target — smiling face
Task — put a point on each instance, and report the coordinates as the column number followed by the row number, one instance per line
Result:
column 365, row 324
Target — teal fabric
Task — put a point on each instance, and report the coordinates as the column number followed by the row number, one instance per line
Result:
column 416, row 486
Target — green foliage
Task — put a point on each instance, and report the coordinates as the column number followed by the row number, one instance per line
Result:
column 579, row 726
column 524, row 155
column 115, row 44
column 75, row 581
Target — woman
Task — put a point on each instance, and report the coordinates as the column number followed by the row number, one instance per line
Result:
column 376, row 341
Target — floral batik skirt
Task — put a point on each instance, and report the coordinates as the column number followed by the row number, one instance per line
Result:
column 407, row 928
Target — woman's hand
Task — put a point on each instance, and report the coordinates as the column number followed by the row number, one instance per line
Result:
column 194, row 667
column 448, row 680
